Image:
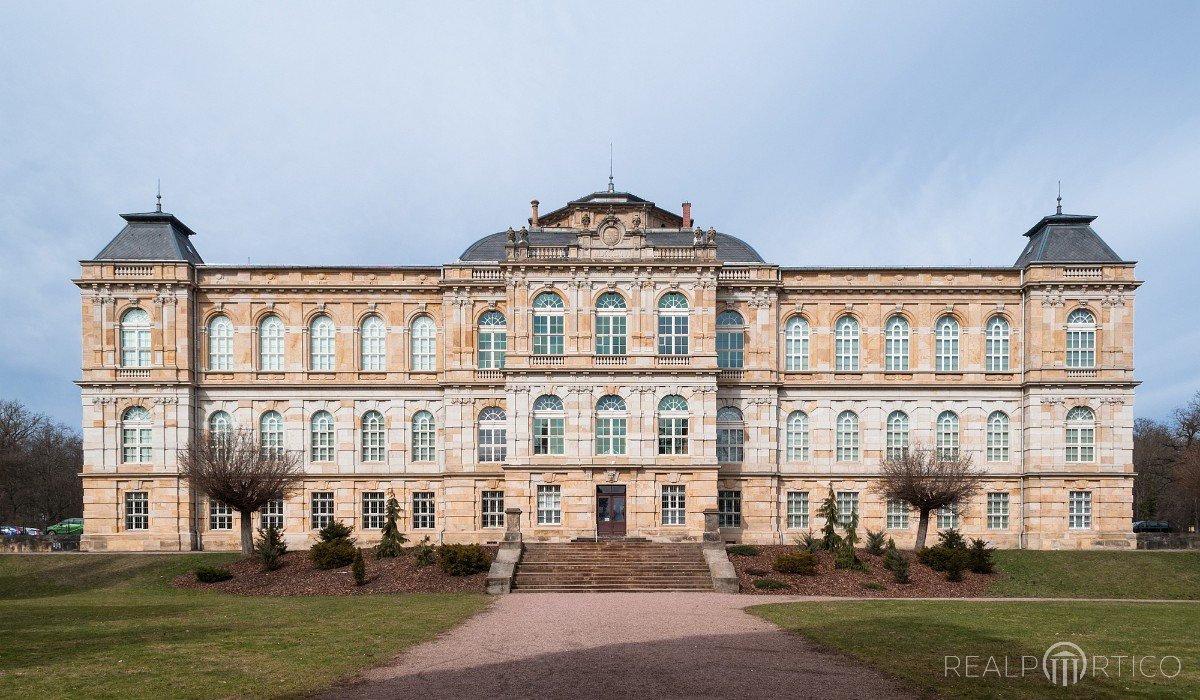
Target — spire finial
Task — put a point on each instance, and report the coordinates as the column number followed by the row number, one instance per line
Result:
column 158, row 206
column 1059, row 210
column 610, row 171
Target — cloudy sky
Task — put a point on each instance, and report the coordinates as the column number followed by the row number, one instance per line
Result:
column 382, row 133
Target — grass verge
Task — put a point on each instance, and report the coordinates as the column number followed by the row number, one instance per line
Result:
column 1097, row 574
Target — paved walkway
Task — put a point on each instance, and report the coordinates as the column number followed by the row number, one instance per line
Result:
column 619, row 645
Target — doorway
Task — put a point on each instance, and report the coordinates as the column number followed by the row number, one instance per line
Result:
column 610, row 511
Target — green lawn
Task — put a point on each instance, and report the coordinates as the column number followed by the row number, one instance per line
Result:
column 110, row 625
column 909, row 640
column 1097, row 574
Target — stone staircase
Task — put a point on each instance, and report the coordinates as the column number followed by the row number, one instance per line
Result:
column 612, row 566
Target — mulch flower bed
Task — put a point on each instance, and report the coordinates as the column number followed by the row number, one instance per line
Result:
column 829, row 581
column 297, row 576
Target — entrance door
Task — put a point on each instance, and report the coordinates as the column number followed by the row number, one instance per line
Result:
column 610, row 511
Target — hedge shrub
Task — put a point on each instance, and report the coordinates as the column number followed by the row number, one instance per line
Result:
column 212, row 574
column 463, row 559
column 802, row 562
column 333, row 555
column 742, row 550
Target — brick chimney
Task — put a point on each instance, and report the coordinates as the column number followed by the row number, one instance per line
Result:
column 687, row 215
column 533, row 218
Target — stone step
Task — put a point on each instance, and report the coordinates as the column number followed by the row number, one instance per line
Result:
column 612, row 566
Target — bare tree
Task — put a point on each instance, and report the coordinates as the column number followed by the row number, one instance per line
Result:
column 1187, row 484
column 40, row 461
column 928, row 481
column 236, row 469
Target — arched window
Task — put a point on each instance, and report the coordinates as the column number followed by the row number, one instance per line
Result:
column 423, row 437
column 135, row 338
column 896, row 345
column 611, row 325
column 947, row 435
column 135, row 435
column 731, row 340
column 322, row 437
column 492, row 340
column 673, row 324
column 846, row 335
column 424, row 344
column 797, row 436
column 270, row 344
column 796, row 345
column 322, row 350
column 672, row 426
column 1081, row 435
column 997, row 437
column 373, row 344
column 847, row 436
column 731, row 435
column 220, row 343
column 1081, row 339
column 219, row 424
column 270, row 431
column 549, row 429
column 374, row 437
column 997, row 344
column 493, row 435
column 947, row 344
column 897, row 435
column 611, row 425
column 548, row 324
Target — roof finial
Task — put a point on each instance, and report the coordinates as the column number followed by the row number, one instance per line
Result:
column 610, row 179
column 1059, row 210
column 158, row 206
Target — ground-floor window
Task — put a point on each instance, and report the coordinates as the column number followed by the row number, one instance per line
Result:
column 797, row 509
column 947, row 518
column 322, row 509
column 549, row 504
column 373, row 510
column 847, row 505
column 271, row 515
column 897, row 514
column 137, row 510
column 423, row 510
column 729, row 508
column 493, row 509
column 1080, row 510
column 674, row 511
column 220, row 516
column 997, row 511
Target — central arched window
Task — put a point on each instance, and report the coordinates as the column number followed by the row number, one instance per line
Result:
column 493, row 434
column 424, row 344
column 220, row 425
column 997, row 342
column 673, row 425
column 795, row 345
column 947, row 435
column 135, row 338
column 946, row 351
column 1081, row 339
column 997, row 437
column 673, row 324
column 220, row 343
column 423, row 437
column 135, row 435
column 897, row 435
column 270, row 432
column 611, row 425
column 492, row 340
column 549, row 427
column 373, row 344
column 270, row 344
column 322, row 349
column 731, row 340
column 797, row 436
column 731, row 435
column 611, row 325
column 374, row 437
column 846, row 334
column 321, row 442
column 548, row 324
column 896, row 345
column 1081, row 435
column 847, row 436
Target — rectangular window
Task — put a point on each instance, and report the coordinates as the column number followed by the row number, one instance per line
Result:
column 1080, row 510
column 847, row 505
column 997, row 511
column 548, row 436
column 135, row 445
column 731, row 445
column 729, row 508
column 672, row 334
column 423, row 517
column 373, row 510
column 611, row 336
column 896, row 351
column 997, row 351
column 137, row 510
column 672, row 436
column 549, row 504
column 674, row 510
column 897, row 514
column 220, row 516
column 493, row 443
column 1081, row 444
column 322, row 509
column 374, row 447
column 271, row 515
column 492, row 509
column 610, row 436
column 547, row 334
column 797, row 509
column 1081, row 348
column 731, row 349
column 947, row 353
column 947, row 518
column 846, row 352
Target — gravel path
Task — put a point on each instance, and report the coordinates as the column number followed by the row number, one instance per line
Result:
column 618, row 645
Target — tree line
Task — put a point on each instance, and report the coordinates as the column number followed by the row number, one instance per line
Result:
column 1166, row 458
column 40, row 461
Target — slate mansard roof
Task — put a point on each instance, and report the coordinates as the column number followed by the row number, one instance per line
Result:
column 491, row 248
column 1065, row 238
column 152, row 236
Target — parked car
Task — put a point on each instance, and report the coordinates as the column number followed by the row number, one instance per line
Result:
column 32, row 531
column 70, row 526
column 1151, row 526
column 9, row 530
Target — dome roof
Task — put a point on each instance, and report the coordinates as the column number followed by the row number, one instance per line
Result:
column 491, row 248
